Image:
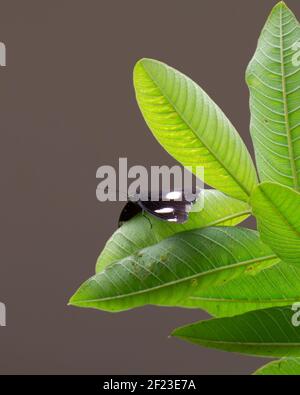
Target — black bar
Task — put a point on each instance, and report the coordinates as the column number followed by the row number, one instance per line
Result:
column 131, row 384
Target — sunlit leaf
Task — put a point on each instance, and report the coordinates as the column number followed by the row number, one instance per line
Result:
column 276, row 286
column 284, row 367
column 171, row 270
column 273, row 77
column 192, row 128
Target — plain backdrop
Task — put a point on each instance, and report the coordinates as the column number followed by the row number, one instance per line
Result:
column 67, row 106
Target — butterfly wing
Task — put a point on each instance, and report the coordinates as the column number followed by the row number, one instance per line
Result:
column 166, row 211
column 130, row 210
column 171, row 206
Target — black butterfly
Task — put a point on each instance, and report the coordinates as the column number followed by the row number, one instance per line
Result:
column 172, row 207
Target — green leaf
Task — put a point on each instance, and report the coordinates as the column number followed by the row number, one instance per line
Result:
column 192, row 128
column 276, row 286
column 284, row 367
column 267, row 333
column 277, row 209
column 218, row 210
column 273, row 78
column 171, row 270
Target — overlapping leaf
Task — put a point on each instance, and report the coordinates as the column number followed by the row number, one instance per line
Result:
column 277, row 209
column 216, row 209
column 276, row 286
column 192, row 128
column 171, row 270
column 284, row 367
column 268, row 333
column 273, row 77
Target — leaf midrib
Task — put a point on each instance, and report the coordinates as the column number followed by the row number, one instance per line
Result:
column 244, row 189
column 228, row 218
column 169, row 284
column 238, row 343
column 245, row 301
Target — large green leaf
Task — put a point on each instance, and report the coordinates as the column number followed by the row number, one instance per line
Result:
column 277, row 209
column 267, row 333
column 276, row 286
column 192, row 128
column 273, row 77
column 140, row 232
column 284, row 367
column 171, row 270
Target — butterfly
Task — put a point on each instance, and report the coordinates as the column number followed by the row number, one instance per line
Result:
column 171, row 206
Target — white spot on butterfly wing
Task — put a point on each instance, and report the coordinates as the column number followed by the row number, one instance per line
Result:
column 165, row 210
column 174, row 195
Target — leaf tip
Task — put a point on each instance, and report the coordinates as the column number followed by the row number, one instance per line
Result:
column 71, row 301
column 273, row 19
column 74, row 300
column 281, row 4
column 176, row 333
column 280, row 7
column 142, row 62
column 139, row 70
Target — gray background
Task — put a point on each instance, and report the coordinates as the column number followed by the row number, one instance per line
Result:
column 67, row 107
